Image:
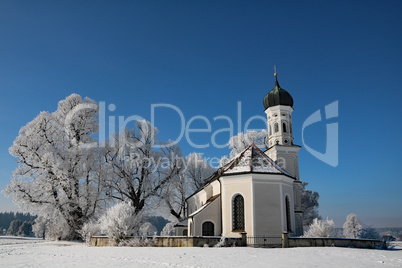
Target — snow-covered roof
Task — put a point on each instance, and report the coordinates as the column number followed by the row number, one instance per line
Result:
column 252, row 159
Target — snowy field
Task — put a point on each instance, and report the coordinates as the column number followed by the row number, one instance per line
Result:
column 30, row 252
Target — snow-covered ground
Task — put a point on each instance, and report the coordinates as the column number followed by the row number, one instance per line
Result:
column 20, row 252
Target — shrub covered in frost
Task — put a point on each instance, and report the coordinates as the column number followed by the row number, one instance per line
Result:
column 148, row 229
column 120, row 221
column 169, row 230
column 221, row 243
column 89, row 229
column 51, row 227
column 320, row 228
column 137, row 242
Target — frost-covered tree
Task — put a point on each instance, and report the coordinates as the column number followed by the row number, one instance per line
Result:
column 147, row 229
column 174, row 196
column 90, row 228
column 25, row 229
column 39, row 227
column 175, row 192
column 120, row 221
column 190, row 177
column 51, row 226
column 197, row 170
column 57, row 166
column 320, row 228
column 138, row 173
column 169, row 230
column 309, row 205
column 242, row 140
column 352, row 227
column 14, row 227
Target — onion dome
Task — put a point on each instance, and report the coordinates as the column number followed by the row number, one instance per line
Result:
column 277, row 96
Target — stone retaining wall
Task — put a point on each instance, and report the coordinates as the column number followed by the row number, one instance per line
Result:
column 196, row 241
column 172, row 241
column 334, row 242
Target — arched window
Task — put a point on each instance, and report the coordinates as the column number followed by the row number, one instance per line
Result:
column 238, row 213
column 208, row 229
column 288, row 223
column 269, row 130
column 284, row 127
column 185, row 232
column 276, row 127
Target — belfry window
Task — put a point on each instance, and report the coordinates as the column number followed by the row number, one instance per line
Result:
column 284, row 127
column 238, row 213
column 276, row 127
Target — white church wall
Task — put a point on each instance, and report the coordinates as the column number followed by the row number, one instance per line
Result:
column 191, row 205
column 181, row 231
column 231, row 186
column 267, row 209
column 270, row 192
column 199, row 199
column 190, row 226
column 287, row 190
column 210, row 213
column 286, row 157
column 216, row 187
column 196, row 201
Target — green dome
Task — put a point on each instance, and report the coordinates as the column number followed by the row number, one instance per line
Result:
column 278, row 96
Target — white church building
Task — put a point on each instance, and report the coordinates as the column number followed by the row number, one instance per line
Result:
column 256, row 192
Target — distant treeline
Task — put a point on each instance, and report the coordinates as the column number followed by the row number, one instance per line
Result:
column 16, row 223
column 395, row 232
column 7, row 217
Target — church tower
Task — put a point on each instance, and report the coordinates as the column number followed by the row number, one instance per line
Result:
column 278, row 104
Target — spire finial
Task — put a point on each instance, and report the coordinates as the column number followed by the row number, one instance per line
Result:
column 275, row 74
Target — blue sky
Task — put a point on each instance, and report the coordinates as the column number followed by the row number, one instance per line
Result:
column 204, row 57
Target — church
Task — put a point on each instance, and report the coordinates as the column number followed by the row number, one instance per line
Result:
column 257, row 192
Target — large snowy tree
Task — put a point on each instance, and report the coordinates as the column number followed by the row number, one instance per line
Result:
column 197, row 170
column 138, row 172
column 192, row 174
column 57, row 170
